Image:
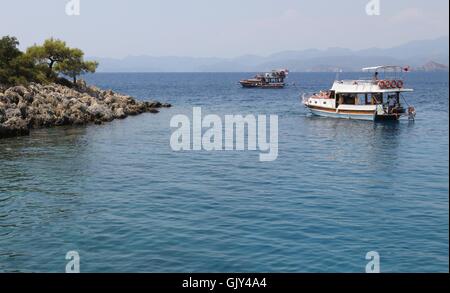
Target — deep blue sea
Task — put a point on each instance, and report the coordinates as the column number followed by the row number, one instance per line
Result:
column 120, row 196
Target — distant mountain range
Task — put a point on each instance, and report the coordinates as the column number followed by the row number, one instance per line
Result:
column 424, row 55
column 433, row 66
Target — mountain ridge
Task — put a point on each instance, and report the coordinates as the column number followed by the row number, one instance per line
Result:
column 417, row 54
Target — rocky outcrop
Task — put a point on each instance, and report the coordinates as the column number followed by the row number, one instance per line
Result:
column 38, row 106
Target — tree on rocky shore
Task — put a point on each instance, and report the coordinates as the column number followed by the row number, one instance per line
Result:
column 41, row 63
column 15, row 66
column 51, row 52
column 32, row 96
column 75, row 65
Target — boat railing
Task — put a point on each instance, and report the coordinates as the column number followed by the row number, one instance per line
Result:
column 361, row 81
column 305, row 96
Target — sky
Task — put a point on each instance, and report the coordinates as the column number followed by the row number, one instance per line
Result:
column 222, row 28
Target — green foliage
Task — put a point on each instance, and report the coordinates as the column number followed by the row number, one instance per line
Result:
column 74, row 67
column 8, row 49
column 41, row 63
column 51, row 52
column 16, row 67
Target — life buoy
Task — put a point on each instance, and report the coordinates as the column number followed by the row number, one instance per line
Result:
column 394, row 84
column 400, row 84
column 388, row 84
column 382, row 84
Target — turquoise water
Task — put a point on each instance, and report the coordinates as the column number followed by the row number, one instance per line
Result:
column 119, row 195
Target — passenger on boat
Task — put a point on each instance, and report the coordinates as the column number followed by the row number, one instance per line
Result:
column 324, row 95
column 375, row 77
column 392, row 103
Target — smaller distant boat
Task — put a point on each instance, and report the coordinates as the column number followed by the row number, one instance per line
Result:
column 379, row 98
column 274, row 79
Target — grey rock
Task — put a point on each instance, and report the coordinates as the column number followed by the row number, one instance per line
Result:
column 36, row 106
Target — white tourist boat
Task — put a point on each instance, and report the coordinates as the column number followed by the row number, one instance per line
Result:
column 377, row 98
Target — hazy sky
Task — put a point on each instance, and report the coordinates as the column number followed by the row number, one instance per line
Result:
column 225, row 28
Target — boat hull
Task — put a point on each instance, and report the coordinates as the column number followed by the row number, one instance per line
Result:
column 334, row 114
column 261, row 85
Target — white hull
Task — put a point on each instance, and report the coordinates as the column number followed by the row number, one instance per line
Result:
column 367, row 117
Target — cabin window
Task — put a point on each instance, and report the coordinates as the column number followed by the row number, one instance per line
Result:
column 361, row 99
column 349, row 99
column 377, row 99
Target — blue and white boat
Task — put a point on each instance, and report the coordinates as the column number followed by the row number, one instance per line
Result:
column 364, row 99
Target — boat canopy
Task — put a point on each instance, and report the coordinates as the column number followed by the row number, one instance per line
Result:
column 363, row 87
column 384, row 67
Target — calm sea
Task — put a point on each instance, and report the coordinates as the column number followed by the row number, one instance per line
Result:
column 119, row 195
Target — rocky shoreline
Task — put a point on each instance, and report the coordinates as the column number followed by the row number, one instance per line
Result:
column 23, row 108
